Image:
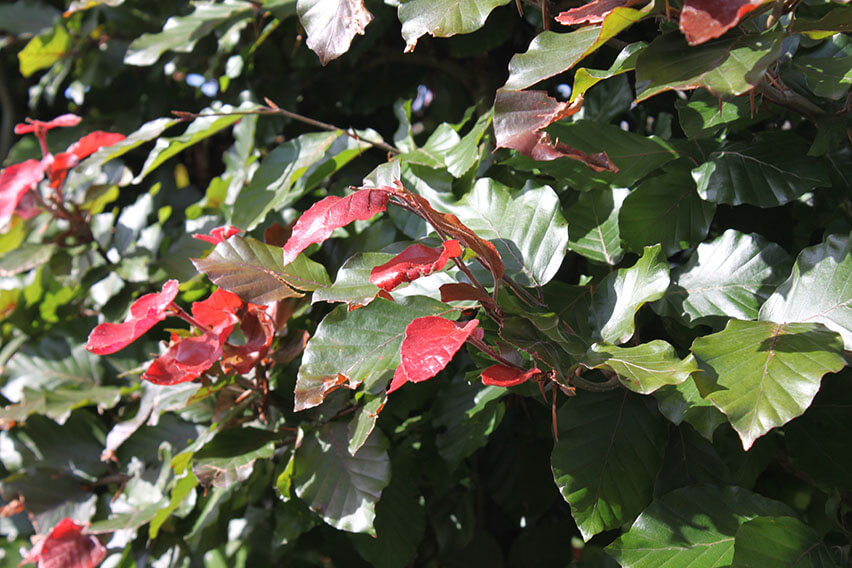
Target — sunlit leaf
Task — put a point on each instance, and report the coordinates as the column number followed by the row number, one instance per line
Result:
column 331, row 25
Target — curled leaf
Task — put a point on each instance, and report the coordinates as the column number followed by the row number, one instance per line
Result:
column 219, row 234
column 703, row 20
column 259, row 330
column 326, row 215
column 66, row 546
column 429, row 345
column 412, row 263
column 185, row 359
column 15, row 182
column 592, row 12
column 503, row 376
column 520, row 116
column 145, row 313
column 331, row 25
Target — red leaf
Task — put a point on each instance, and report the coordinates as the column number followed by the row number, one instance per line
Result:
column 145, row 313
column 91, row 143
column 430, row 343
column 519, row 117
column 185, row 359
column 218, row 312
column 460, row 291
column 318, row 222
column 258, row 328
column 593, row 12
column 15, row 182
column 703, row 20
column 59, row 166
column 503, row 376
column 35, row 125
column 66, row 546
column 219, row 234
column 412, row 263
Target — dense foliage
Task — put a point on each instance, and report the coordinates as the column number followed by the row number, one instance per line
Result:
column 426, row 283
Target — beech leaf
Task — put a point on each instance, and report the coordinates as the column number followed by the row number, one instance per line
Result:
column 503, row 376
column 66, row 546
column 429, row 345
column 91, row 143
column 442, row 18
column 592, row 12
column 331, row 25
column 519, row 117
column 412, row 263
column 703, row 20
column 15, row 181
column 326, row 215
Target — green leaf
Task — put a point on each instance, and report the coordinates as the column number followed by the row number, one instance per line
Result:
column 683, row 403
column 433, row 153
column 255, row 271
column 609, row 450
column 665, row 209
column 779, row 541
column 837, row 20
column 43, row 51
column 827, row 268
column 693, row 526
column 690, row 459
column 343, row 489
column 27, row 18
column 354, row 347
column 636, row 156
column 364, row 421
column 229, row 457
column 352, row 284
column 290, row 170
column 460, row 158
column 593, row 225
column 126, row 521
column 199, row 129
column 145, row 133
column 771, row 171
column 552, row 53
column 620, row 295
column 58, row 404
column 729, row 277
column 527, row 228
column 50, row 497
column 180, row 33
column 730, row 65
column 644, row 368
column 704, row 114
column 762, row 374
column 25, row 257
column 465, row 415
column 442, row 18
column 817, row 441
column 180, row 491
column 585, row 79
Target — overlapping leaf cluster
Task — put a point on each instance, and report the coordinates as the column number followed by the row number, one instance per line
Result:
column 577, row 290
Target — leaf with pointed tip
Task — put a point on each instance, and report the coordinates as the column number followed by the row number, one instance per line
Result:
column 551, row 53
column 620, row 295
column 412, row 263
column 692, row 526
column 349, row 348
column 665, row 209
column 519, row 117
column 364, row 421
column 462, row 157
column 593, row 225
column 729, row 277
column 343, row 489
column 644, row 368
column 818, row 290
column 503, row 376
column 771, row 171
column 727, row 66
column 442, row 18
column 254, row 271
column 683, row 403
column 762, row 374
column 429, row 345
column 780, row 541
column 145, row 133
column 592, row 12
column 585, row 79
column 703, row 20
column 331, row 25
column 317, row 223
column 609, row 450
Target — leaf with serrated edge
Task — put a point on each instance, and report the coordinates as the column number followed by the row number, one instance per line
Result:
column 692, row 526
column 818, row 290
column 609, row 450
column 644, row 368
column 620, row 295
column 343, row 489
column 762, row 374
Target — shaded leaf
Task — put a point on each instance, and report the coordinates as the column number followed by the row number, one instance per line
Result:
column 57, row 404
column 21, row 18
column 828, row 69
column 690, row 459
column 693, row 526
column 772, row 171
column 779, row 541
column 762, row 375
column 442, row 18
column 643, row 368
column 254, row 271
column 703, row 20
column 665, row 209
column 585, row 79
column 826, row 268
column 704, row 114
column 429, row 345
column 343, row 489
column 838, row 19
column 620, row 295
column 229, row 457
column 730, row 277
column 349, row 348
column 465, row 415
column 683, row 403
column 609, row 449
column 26, row 257
column 727, row 66
column 331, row 25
